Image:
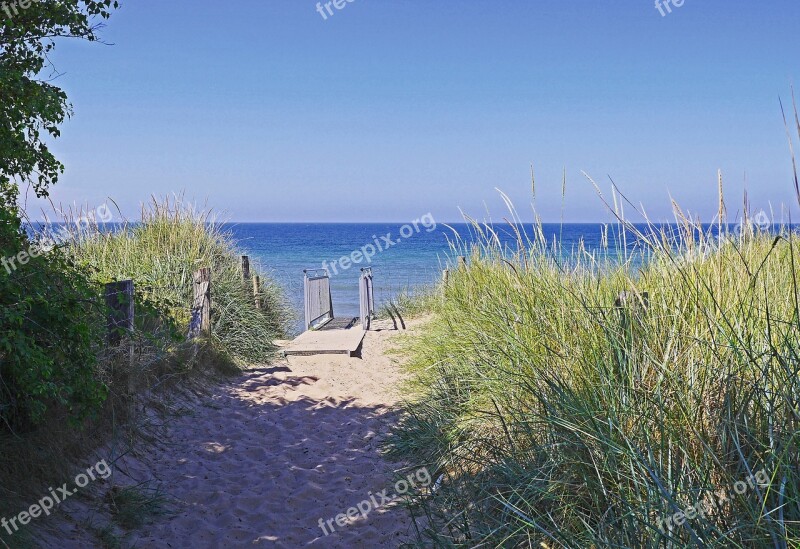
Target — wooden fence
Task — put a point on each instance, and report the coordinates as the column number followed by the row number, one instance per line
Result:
column 366, row 298
column 318, row 306
column 119, row 297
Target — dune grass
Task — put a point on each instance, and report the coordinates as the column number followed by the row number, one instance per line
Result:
column 559, row 415
column 161, row 254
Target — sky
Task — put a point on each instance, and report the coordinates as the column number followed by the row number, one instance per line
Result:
column 386, row 110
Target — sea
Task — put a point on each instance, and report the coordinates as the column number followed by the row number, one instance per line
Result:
column 415, row 258
column 404, row 258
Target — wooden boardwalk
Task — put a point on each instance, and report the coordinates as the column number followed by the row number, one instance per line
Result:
column 340, row 324
column 332, row 339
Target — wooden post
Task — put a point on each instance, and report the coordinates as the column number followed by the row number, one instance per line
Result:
column 626, row 299
column 256, row 288
column 631, row 307
column 201, row 307
column 119, row 300
column 245, row 269
column 462, row 262
column 445, row 276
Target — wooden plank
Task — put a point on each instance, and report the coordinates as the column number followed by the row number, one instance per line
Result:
column 119, row 300
column 341, row 323
column 327, row 342
column 256, row 290
column 318, row 302
column 201, row 307
column 245, row 269
column 363, row 298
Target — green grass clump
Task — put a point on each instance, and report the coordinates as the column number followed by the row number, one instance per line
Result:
column 557, row 416
column 161, row 254
column 133, row 506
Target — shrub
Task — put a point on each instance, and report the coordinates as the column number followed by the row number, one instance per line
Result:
column 49, row 334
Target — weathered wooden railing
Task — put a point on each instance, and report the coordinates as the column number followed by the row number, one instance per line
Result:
column 317, row 297
column 366, row 297
column 119, row 298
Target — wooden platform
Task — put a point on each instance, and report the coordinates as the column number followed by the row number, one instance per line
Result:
column 330, row 341
column 340, row 324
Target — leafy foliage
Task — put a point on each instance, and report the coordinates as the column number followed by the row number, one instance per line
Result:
column 32, row 108
column 50, row 327
column 49, row 317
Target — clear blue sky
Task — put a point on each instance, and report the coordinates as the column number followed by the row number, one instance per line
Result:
column 390, row 109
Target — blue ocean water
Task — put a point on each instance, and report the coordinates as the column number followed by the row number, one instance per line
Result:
column 284, row 250
column 415, row 257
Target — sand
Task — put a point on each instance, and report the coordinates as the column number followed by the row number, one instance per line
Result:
column 263, row 457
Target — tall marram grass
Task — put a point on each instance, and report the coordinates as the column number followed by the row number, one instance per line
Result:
column 162, row 252
column 557, row 415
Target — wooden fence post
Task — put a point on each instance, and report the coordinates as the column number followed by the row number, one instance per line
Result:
column 245, row 269
column 462, row 262
column 256, row 288
column 201, row 307
column 119, row 300
column 120, row 304
column 631, row 307
column 630, row 299
column 445, row 276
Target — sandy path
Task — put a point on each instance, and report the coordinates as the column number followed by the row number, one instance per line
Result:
column 258, row 463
